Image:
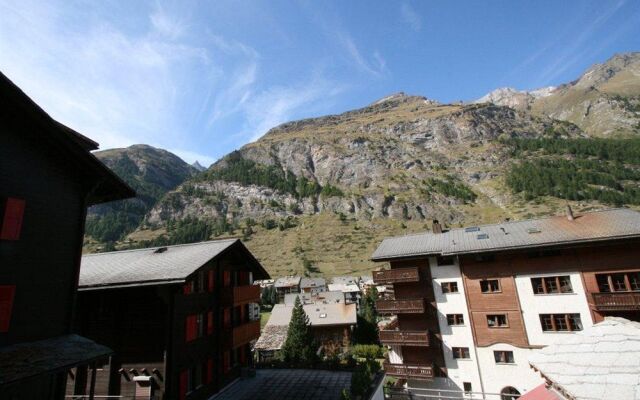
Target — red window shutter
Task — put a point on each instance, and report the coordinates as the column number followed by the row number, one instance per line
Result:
column 227, row 278
column 210, row 370
column 6, row 306
column 184, row 383
column 191, row 328
column 12, row 219
column 227, row 318
column 211, row 281
column 186, row 289
column 209, row 322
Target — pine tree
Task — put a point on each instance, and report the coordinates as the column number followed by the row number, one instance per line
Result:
column 367, row 328
column 300, row 347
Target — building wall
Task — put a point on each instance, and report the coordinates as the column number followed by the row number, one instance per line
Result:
column 535, row 304
column 496, row 376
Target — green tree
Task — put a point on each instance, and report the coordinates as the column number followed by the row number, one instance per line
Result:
column 367, row 329
column 300, row 347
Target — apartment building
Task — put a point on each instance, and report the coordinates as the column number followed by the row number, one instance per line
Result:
column 473, row 303
column 180, row 319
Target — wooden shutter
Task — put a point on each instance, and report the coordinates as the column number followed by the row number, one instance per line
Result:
column 211, row 280
column 210, row 370
column 184, row 383
column 209, row 322
column 12, row 219
column 186, row 289
column 191, row 328
column 227, row 318
column 227, row 278
column 6, row 306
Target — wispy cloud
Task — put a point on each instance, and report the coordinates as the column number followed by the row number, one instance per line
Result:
column 167, row 24
column 374, row 65
column 411, row 17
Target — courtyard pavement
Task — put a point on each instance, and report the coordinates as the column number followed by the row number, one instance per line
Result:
column 288, row 384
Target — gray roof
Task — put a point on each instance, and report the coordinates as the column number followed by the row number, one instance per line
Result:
column 287, row 281
column 308, row 298
column 345, row 280
column 147, row 266
column 593, row 226
column 272, row 337
column 312, row 282
column 319, row 314
column 25, row 360
column 601, row 362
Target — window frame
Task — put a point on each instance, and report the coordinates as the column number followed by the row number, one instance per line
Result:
column 544, row 285
column 489, row 286
column 449, row 285
column 606, row 280
column 461, row 353
column 507, row 357
column 458, row 319
column 497, row 318
column 572, row 322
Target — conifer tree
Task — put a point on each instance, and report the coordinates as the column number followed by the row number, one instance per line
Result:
column 300, row 347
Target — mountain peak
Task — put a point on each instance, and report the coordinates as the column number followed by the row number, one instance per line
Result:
column 198, row 166
column 401, row 97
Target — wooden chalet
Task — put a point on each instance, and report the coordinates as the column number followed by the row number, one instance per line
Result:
column 180, row 319
column 48, row 178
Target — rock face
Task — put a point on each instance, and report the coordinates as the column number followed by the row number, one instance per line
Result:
column 604, row 101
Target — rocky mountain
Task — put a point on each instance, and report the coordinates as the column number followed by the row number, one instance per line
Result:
column 318, row 195
column 604, row 101
column 152, row 172
column 198, row 167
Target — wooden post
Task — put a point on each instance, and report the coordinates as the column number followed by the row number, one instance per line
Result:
column 92, row 387
column 80, row 385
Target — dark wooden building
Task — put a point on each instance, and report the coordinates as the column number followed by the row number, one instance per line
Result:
column 179, row 319
column 48, row 178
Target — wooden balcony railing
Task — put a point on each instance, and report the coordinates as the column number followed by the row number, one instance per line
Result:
column 409, row 371
column 245, row 333
column 407, row 338
column 397, row 275
column 239, row 295
column 414, row 306
column 621, row 301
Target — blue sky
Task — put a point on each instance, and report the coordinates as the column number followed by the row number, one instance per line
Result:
column 204, row 78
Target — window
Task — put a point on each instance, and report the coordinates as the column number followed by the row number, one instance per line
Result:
column 619, row 282
column 460, row 353
column 552, row 284
column 490, row 286
column 227, row 318
column 211, row 280
column 226, row 278
column 467, row 386
column 560, row 322
column 449, row 287
column 509, row 393
column 503, row 357
column 445, row 260
column 200, row 324
column 455, row 319
column 497, row 321
column 11, row 218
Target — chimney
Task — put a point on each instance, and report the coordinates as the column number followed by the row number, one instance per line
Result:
column 569, row 213
column 436, row 227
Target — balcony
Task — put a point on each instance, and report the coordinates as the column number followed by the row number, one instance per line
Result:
column 397, row 275
column 414, row 306
column 406, row 338
column 243, row 334
column 409, row 371
column 621, row 301
column 239, row 295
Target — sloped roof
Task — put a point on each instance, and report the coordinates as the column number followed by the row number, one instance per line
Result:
column 172, row 264
column 319, row 314
column 26, row 360
column 601, row 362
column 272, row 337
column 345, row 280
column 602, row 225
column 308, row 298
column 70, row 145
column 312, row 282
column 344, row 288
column 287, row 281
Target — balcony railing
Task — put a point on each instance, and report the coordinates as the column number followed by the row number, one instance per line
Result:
column 409, row 371
column 622, row 301
column 397, row 275
column 239, row 295
column 407, row 338
column 244, row 333
column 414, row 306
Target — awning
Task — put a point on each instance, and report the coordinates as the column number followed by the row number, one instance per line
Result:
column 540, row 393
column 26, row 360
